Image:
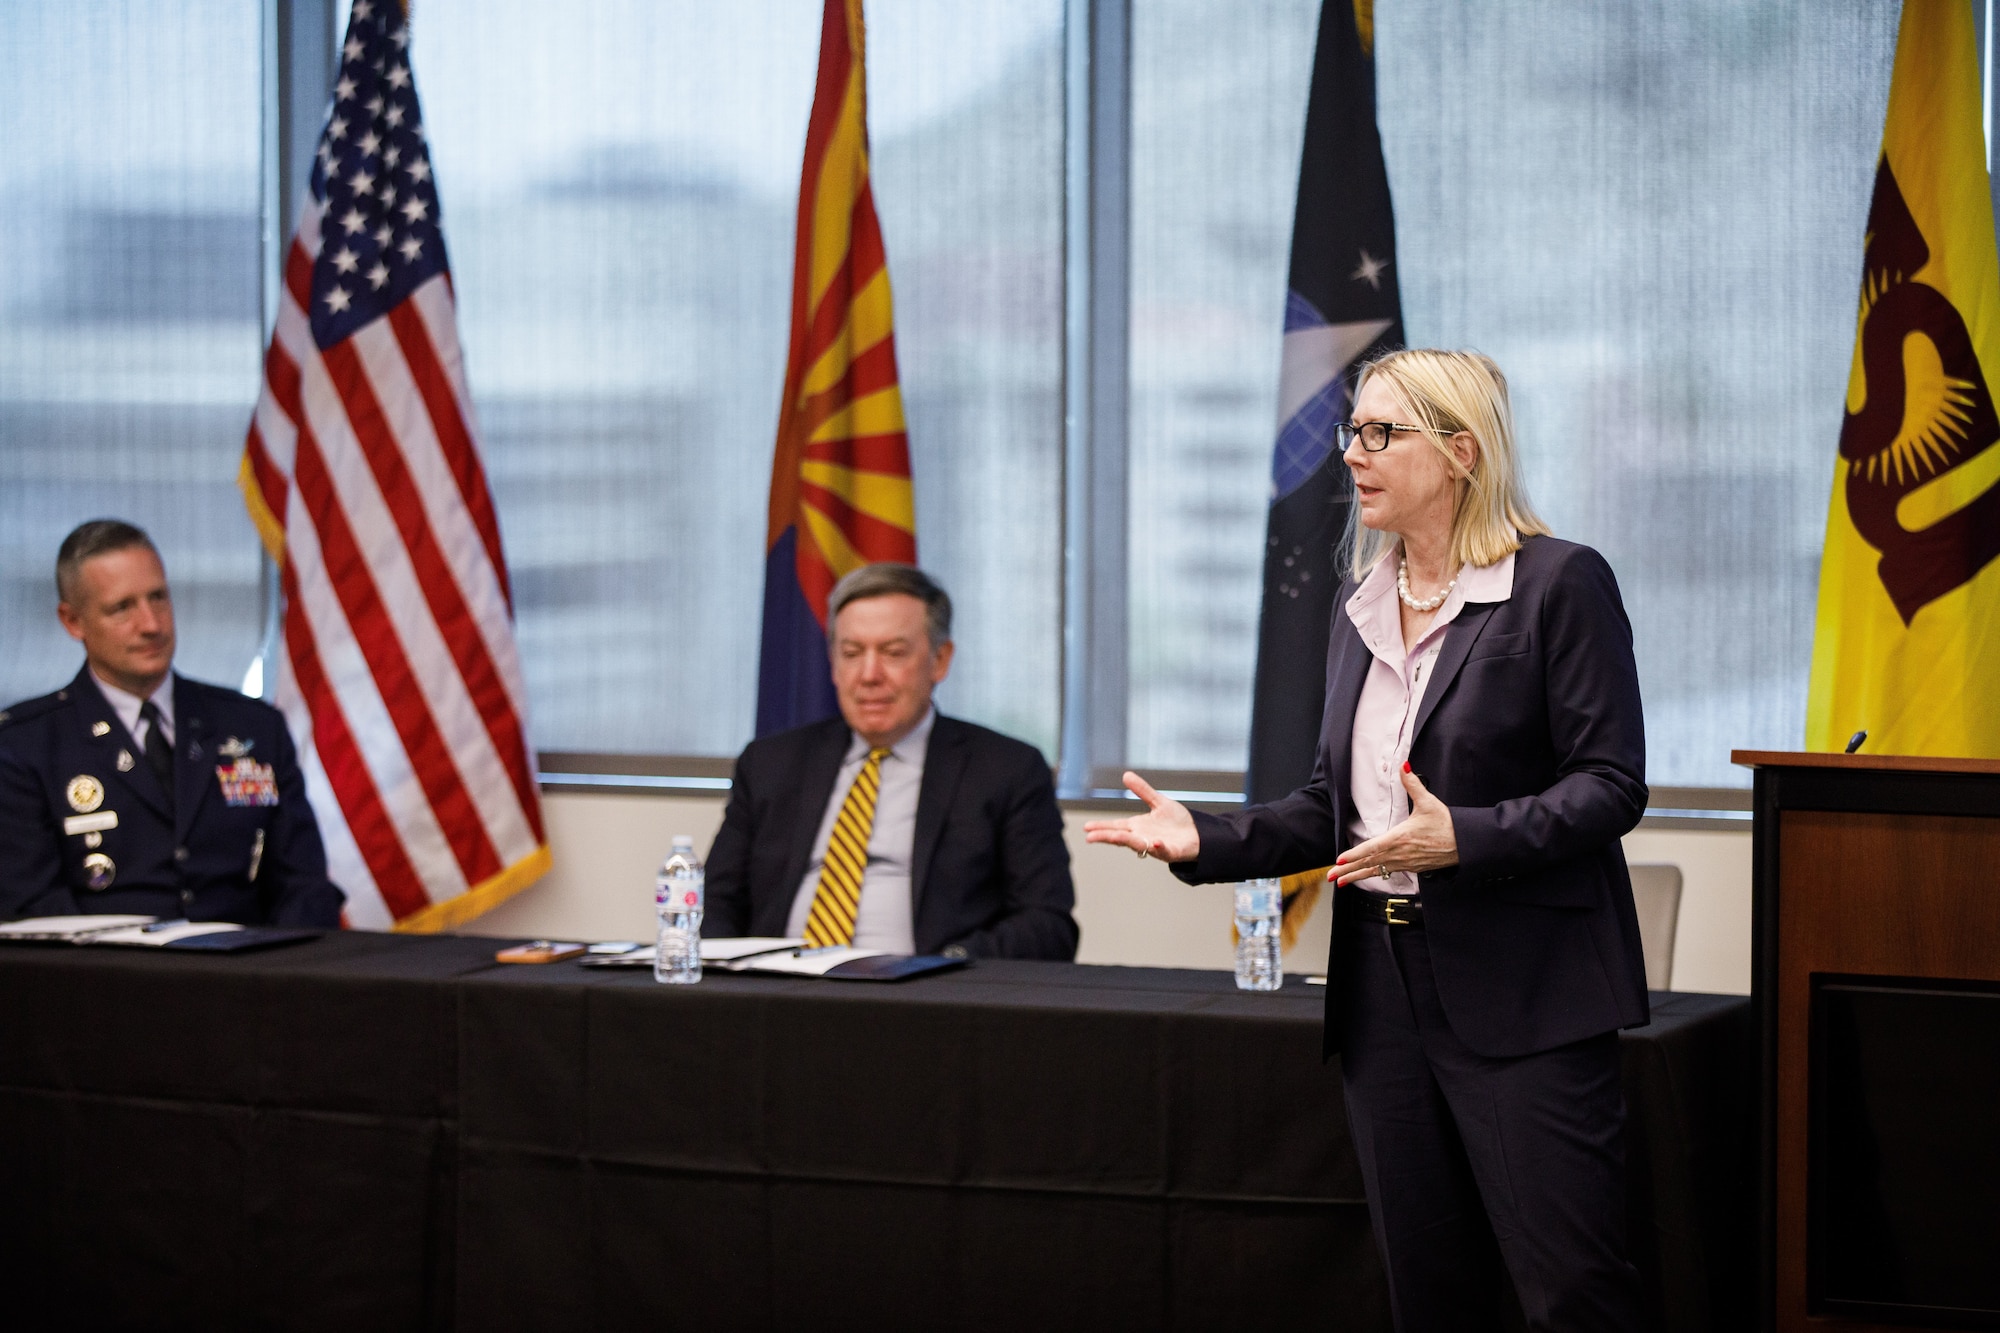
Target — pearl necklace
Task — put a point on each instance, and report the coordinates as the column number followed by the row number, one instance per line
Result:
column 1403, row 590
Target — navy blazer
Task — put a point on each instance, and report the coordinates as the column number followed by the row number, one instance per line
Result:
column 1531, row 733
column 237, row 844
column 989, row 872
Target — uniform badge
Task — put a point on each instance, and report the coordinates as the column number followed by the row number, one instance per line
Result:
column 94, row 823
column 86, row 793
column 98, row 871
column 124, row 761
column 234, row 748
column 100, row 728
column 247, row 782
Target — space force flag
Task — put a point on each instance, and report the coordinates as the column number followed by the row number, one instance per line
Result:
column 840, row 479
column 1907, row 643
column 1342, row 306
column 399, row 676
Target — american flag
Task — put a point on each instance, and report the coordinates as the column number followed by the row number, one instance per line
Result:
column 399, row 677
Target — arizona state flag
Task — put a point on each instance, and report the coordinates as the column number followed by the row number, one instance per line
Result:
column 1907, row 644
column 840, row 483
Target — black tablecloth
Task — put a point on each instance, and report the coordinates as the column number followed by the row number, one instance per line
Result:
column 382, row 1132
column 258, row 1140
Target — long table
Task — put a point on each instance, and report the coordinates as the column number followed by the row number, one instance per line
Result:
column 375, row 1131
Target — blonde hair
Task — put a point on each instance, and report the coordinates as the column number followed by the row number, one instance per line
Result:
column 1449, row 392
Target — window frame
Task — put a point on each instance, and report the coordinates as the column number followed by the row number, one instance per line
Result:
column 300, row 44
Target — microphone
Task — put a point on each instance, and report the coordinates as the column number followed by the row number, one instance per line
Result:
column 1854, row 742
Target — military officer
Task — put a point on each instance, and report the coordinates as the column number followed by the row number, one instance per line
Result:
column 133, row 789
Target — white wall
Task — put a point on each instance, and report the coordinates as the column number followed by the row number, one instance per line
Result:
column 1130, row 911
column 1712, row 944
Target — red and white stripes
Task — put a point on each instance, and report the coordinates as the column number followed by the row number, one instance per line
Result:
column 401, row 680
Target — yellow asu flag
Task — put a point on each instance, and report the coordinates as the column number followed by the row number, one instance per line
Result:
column 1907, row 644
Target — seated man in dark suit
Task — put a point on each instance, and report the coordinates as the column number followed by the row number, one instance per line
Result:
column 137, row 790
column 891, row 827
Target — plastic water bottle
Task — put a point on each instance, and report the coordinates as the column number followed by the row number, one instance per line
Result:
column 1260, row 961
column 678, row 896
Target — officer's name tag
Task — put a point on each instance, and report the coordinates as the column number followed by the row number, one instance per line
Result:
column 247, row 782
column 97, row 823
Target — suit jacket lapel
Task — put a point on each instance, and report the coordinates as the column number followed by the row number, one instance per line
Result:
column 944, row 765
column 93, row 708
column 191, row 747
column 819, row 769
column 1347, row 672
column 1458, row 640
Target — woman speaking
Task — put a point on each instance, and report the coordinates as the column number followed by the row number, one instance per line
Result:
column 1481, row 754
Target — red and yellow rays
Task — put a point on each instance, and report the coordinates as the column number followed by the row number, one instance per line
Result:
column 842, row 471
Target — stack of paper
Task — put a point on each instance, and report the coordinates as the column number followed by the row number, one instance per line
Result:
column 771, row 956
column 731, row 953
column 147, row 932
column 160, row 935
column 804, row 962
column 68, row 929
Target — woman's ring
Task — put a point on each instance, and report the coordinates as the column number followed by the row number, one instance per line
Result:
column 1141, row 851
column 1384, row 870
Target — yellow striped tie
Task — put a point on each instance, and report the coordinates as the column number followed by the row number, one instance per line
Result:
column 837, row 901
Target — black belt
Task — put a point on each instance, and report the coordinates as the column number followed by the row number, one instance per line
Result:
column 1389, row 911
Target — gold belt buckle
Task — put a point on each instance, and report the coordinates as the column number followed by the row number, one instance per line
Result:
column 1389, row 906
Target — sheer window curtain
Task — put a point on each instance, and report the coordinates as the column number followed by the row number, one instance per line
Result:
column 619, row 193
column 129, row 319
column 1651, row 216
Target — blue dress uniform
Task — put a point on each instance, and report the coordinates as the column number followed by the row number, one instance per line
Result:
column 85, row 825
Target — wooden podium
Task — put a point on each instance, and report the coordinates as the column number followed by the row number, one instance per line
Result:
column 1876, row 940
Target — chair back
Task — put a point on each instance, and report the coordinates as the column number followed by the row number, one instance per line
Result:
column 1656, row 892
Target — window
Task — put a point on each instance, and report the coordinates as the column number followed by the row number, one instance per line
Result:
column 1665, row 204
column 1670, row 203
column 130, row 338
column 1651, row 218
column 1218, row 117
column 619, row 193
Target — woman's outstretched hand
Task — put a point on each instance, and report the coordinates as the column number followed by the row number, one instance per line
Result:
column 1165, row 831
column 1424, row 841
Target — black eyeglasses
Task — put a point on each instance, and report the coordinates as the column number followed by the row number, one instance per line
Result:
column 1374, row 435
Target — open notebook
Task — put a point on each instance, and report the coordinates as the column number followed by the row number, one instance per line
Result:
column 788, row 957
column 145, row 932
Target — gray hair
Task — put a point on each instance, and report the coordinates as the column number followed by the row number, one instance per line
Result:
column 889, row 580
column 100, row 536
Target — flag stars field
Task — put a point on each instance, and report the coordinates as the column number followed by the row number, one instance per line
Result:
column 400, row 675
column 1369, row 270
column 375, row 177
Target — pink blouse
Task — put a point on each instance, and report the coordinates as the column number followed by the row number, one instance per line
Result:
column 1393, row 695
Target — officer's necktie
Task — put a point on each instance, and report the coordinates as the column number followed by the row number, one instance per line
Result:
column 159, row 750
column 837, row 901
